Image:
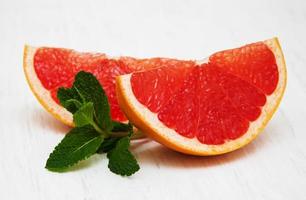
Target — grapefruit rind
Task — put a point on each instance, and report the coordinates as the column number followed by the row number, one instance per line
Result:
column 43, row 95
column 149, row 123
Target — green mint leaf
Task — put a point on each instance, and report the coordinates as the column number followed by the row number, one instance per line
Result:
column 74, row 102
column 121, row 160
column 79, row 144
column 85, row 115
column 69, row 99
column 90, row 90
column 108, row 144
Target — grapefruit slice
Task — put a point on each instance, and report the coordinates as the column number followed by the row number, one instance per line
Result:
column 48, row 69
column 211, row 108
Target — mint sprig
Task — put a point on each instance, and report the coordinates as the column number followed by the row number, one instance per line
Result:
column 95, row 132
column 86, row 88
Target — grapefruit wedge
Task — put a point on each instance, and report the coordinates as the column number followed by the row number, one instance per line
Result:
column 47, row 69
column 213, row 107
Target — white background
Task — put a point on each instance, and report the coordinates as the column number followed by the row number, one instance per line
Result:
column 272, row 167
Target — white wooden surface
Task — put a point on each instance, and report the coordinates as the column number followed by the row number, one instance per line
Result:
column 272, row 167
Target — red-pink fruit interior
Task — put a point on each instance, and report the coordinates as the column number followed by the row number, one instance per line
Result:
column 56, row 67
column 213, row 102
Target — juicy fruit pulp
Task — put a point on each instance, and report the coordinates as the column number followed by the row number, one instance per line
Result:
column 56, row 67
column 215, row 101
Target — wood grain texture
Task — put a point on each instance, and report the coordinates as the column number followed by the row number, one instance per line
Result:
column 271, row 167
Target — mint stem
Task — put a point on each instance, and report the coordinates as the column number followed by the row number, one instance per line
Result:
column 135, row 135
column 99, row 130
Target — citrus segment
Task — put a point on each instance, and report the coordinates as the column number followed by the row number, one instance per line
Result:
column 200, row 101
column 48, row 69
column 213, row 108
column 56, row 68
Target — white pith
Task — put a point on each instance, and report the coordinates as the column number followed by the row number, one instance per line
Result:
column 193, row 145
